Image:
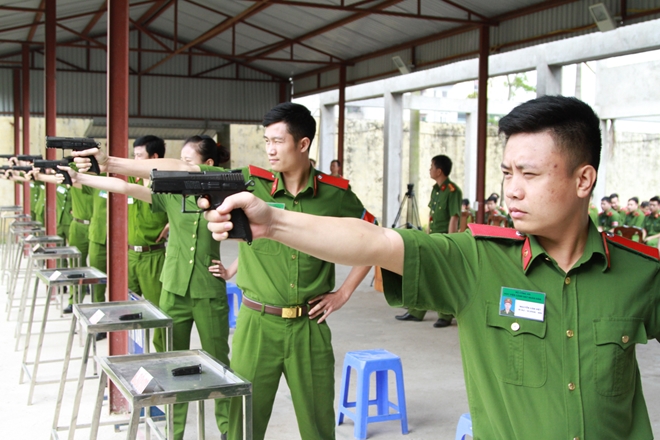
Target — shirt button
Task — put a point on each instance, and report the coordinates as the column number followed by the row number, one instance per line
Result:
column 195, row 222
column 569, row 333
column 190, row 261
column 193, row 236
column 292, row 285
column 192, row 248
column 576, row 438
column 571, row 386
column 567, row 281
column 295, row 202
column 625, row 339
column 515, row 326
column 293, row 257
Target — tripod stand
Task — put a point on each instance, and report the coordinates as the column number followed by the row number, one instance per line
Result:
column 412, row 213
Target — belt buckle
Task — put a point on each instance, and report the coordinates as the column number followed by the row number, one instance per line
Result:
column 291, row 312
column 137, row 248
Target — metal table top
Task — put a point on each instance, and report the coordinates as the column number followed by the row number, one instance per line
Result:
column 41, row 239
column 152, row 316
column 215, row 382
column 71, row 276
column 12, row 208
column 15, row 216
column 55, row 252
column 25, row 224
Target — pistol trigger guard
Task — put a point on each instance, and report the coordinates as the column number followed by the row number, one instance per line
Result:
column 249, row 183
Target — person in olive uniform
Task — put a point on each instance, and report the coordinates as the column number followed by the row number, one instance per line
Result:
column 652, row 223
column 190, row 294
column 98, row 256
column 445, row 212
column 608, row 218
column 507, row 310
column 569, row 369
column 292, row 291
column 635, row 216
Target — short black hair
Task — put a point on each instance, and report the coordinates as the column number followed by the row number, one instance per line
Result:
column 644, row 204
column 298, row 119
column 208, row 148
column 574, row 126
column 465, row 202
column 634, row 199
column 655, row 199
column 443, row 163
column 153, row 145
column 335, row 161
column 606, row 199
column 614, row 195
column 491, row 199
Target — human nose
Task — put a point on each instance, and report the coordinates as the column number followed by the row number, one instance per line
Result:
column 513, row 188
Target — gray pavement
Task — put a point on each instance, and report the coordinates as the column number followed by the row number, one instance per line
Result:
column 434, row 385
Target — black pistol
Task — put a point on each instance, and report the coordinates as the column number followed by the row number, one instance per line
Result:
column 29, row 158
column 214, row 186
column 44, row 165
column 75, row 144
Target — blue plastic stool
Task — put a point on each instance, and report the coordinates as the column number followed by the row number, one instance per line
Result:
column 366, row 362
column 234, row 298
column 464, row 427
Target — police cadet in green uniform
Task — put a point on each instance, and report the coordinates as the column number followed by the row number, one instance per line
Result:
column 190, row 294
column 147, row 231
column 98, row 256
column 608, row 218
column 564, row 366
column 445, row 213
column 652, row 222
column 38, row 201
column 635, row 216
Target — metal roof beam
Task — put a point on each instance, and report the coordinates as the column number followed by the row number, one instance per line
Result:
column 464, row 9
column 37, row 19
column 254, row 9
column 84, row 37
column 153, row 12
column 21, row 9
column 95, row 19
column 149, row 34
column 352, row 8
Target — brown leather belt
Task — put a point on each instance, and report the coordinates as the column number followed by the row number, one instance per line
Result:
column 153, row 247
column 284, row 312
column 84, row 222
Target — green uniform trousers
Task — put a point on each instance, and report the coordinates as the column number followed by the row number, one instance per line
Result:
column 266, row 346
column 98, row 258
column 144, row 270
column 211, row 317
column 78, row 237
column 421, row 313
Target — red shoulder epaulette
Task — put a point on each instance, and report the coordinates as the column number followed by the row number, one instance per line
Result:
column 643, row 249
column 339, row 182
column 494, row 232
column 260, row 172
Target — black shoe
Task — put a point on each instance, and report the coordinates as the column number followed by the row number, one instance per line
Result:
column 101, row 336
column 407, row 317
column 68, row 309
column 440, row 323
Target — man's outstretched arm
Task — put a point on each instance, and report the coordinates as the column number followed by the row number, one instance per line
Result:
column 348, row 241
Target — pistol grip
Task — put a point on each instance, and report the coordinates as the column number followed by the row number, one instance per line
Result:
column 67, row 178
column 95, row 166
column 241, row 227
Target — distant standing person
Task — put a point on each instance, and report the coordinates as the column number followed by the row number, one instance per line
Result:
column 335, row 168
column 445, row 205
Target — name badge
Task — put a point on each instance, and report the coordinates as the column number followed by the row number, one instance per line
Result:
column 103, row 194
column 131, row 200
column 524, row 304
column 276, row 205
column 61, row 190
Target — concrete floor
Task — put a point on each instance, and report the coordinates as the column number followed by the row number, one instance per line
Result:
column 434, row 385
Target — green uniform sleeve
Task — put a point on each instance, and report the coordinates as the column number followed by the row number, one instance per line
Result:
column 454, row 202
column 439, row 272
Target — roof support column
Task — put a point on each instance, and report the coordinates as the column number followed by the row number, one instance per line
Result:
column 25, row 95
column 482, row 119
column 342, row 114
column 118, row 48
column 50, row 69
column 413, row 154
column 470, row 183
column 392, row 157
column 548, row 80
column 17, row 125
column 326, row 137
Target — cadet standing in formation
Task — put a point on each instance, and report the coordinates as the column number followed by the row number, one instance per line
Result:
column 565, row 368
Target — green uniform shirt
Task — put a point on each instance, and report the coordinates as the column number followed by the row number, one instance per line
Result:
column 593, row 213
column 572, row 375
column 81, row 203
column 652, row 227
column 444, row 204
column 609, row 219
column 190, row 250
column 144, row 225
column 38, row 201
column 63, row 203
column 99, row 221
column 274, row 274
column 635, row 218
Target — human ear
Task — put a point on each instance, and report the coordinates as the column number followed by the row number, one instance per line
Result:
column 586, row 179
column 304, row 144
